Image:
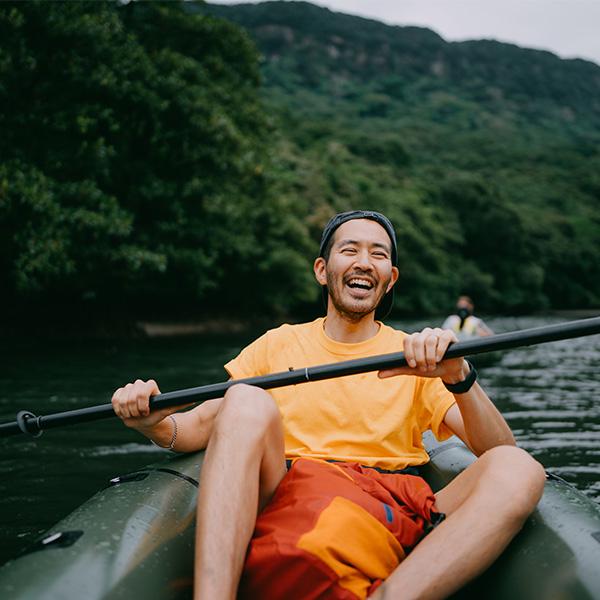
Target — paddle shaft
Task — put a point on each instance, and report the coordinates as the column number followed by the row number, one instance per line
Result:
column 34, row 425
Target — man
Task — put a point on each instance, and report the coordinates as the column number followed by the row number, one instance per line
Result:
column 373, row 419
column 464, row 323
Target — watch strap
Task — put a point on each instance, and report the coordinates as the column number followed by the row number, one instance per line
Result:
column 462, row 387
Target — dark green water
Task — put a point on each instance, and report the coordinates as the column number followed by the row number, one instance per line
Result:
column 550, row 395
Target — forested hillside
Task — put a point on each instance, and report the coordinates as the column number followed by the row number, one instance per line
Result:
column 156, row 160
column 133, row 172
column 487, row 155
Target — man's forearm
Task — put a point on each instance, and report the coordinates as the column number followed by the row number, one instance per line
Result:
column 162, row 433
column 484, row 426
column 186, row 431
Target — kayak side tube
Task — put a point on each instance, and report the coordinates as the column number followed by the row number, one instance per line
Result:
column 135, row 539
column 557, row 553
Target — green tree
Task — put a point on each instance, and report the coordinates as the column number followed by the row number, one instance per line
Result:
column 132, row 161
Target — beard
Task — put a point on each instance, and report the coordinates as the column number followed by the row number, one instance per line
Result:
column 354, row 309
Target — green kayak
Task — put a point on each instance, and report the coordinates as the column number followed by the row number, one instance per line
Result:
column 135, row 539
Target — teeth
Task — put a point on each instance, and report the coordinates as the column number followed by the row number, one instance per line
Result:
column 362, row 282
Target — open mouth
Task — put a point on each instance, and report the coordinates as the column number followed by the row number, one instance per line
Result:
column 360, row 283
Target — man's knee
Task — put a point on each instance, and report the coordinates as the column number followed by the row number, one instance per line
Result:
column 250, row 408
column 518, row 479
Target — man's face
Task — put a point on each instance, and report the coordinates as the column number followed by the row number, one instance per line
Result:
column 359, row 270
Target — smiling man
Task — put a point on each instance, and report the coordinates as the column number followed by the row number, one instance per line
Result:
column 347, row 510
column 359, row 291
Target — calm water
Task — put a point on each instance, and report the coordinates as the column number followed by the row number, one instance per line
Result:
column 550, row 395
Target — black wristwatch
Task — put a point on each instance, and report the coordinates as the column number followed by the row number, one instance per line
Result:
column 462, row 387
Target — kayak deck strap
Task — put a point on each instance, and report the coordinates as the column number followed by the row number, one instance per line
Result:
column 59, row 539
column 183, row 476
column 553, row 477
column 129, row 477
column 141, row 475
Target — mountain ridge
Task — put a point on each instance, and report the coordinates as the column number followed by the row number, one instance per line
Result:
column 366, row 49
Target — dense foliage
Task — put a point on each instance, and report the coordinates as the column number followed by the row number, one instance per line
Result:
column 487, row 155
column 144, row 167
column 132, row 166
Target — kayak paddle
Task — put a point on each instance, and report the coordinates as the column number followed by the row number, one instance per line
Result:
column 27, row 422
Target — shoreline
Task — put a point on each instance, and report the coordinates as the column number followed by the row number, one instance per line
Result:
column 153, row 329
column 46, row 329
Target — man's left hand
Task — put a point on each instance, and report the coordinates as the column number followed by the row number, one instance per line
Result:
column 424, row 352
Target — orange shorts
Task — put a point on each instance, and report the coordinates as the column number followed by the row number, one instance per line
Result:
column 335, row 530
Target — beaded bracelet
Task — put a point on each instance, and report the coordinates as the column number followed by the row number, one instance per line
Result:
column 171, row 445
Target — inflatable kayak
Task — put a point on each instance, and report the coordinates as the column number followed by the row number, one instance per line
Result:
column 135, row 539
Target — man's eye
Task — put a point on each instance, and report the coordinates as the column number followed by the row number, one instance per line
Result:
column 348, row 251
column 380, row 255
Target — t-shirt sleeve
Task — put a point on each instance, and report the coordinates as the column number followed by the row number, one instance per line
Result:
column 436, row 400
column 252, row 361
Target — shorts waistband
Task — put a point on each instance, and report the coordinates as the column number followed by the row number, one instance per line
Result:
column 411, row 470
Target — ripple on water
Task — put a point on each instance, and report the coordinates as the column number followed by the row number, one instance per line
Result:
column 543, row 425
column 126, row 449
column 543, row 444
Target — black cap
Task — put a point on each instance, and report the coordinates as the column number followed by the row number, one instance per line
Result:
column 382, row 311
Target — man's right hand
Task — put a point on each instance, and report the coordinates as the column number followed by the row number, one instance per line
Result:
column 132, row 404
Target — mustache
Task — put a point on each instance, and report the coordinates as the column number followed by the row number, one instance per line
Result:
column 364, row 274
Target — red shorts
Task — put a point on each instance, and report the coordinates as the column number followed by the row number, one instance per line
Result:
column 335, row 530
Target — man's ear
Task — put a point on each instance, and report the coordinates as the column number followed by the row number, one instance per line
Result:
column 320, row 269
column 394, row 279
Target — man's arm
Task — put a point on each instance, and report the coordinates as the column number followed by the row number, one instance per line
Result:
column 183, row 432
column 477, row 422
column 474, row 418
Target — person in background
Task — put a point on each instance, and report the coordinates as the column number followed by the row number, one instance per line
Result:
column 464, row 323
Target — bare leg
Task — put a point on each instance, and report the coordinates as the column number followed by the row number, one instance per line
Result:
column 244, row 464
column 486, row 506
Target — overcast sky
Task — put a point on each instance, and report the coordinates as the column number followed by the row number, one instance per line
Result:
column 569, row 28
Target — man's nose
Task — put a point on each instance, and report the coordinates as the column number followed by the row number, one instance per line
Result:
column 363, row 260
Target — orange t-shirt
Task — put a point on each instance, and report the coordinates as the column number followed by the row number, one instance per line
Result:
column 357, row 418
